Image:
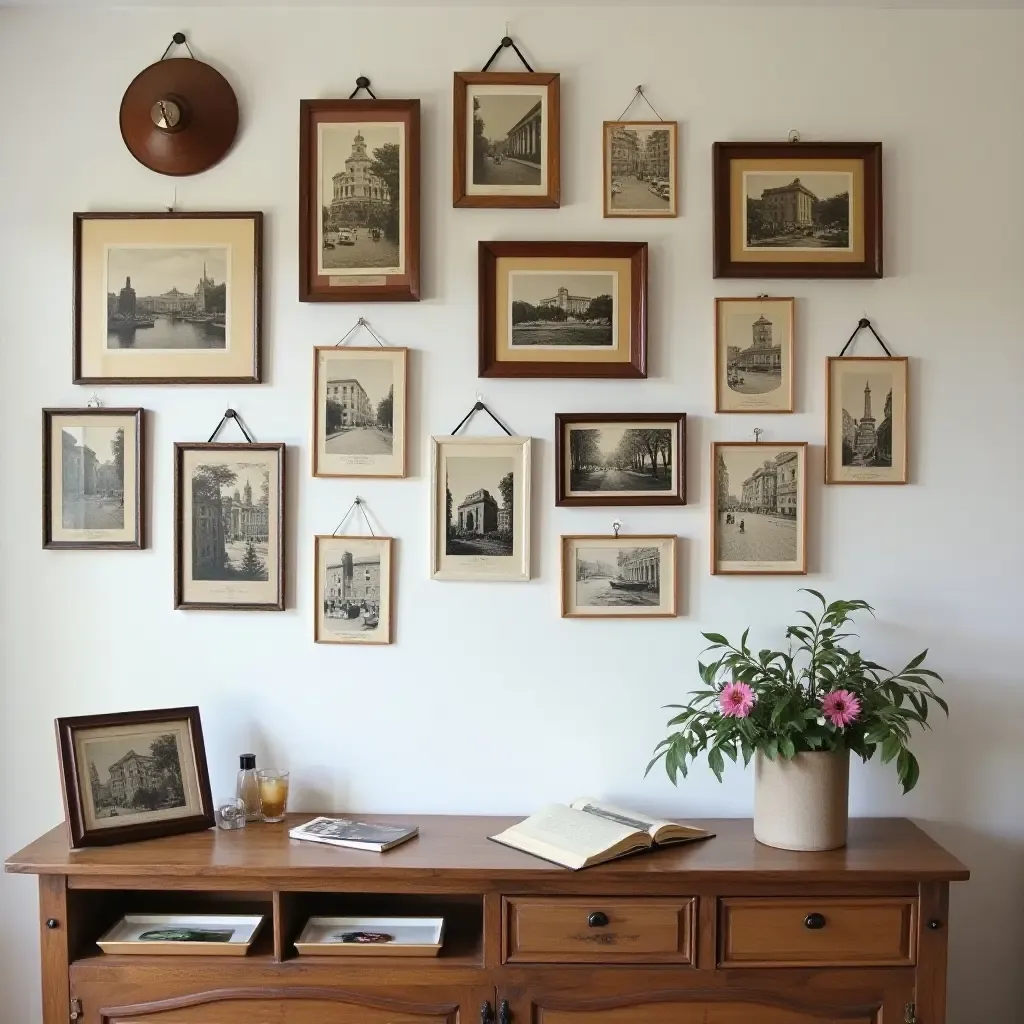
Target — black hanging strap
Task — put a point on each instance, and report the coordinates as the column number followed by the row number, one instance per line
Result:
column 178, row 39
column 230, row 414
column 359, row 504
column 362, row 82
column 507, row 41
column 861, row 324
column 478, row 407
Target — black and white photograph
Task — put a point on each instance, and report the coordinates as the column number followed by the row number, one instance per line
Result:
column 361, row 206
column 353, row 590
column 360, row 411
column 618, row 577
column 797, row 211
column 754, row 354
column 481, row 505
column 640, row 169
column 508, row 134
column 759, row 507
column 167, row 297
column 563, row 309
column 92, row 478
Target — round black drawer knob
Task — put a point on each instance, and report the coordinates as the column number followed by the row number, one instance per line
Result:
column 814, row 921
column 934, row 924
column 52, row 923
column 598, row 919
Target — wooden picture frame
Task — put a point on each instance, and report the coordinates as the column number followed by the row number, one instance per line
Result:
column 648, row 432
column 353, row 574
column 166, row 792
column 206, row 333
column 574, row 339
column 471, row 538
column 856, row 450
column 641, row 157
column 369, row 446
column 250, row 576
column 793, row 231
column 750, row 534
column 376, row 259
column 519, row 152
column 754, row 379
column 627, row 581
column 90, row 494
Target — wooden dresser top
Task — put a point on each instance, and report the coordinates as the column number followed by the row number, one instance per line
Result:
column 457, row 848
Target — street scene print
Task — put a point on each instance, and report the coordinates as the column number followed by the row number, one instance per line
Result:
column 621, row 460
column 754, row 355
column 359, row 408
column 167, row 297
column 508, row 139
column 480, row 506
column 231, row 521
column 797, row 210
column 92, row 478
column 360, row 182
column 640, row 169
column 866, row 399
column 563, row 309
column 353, row 590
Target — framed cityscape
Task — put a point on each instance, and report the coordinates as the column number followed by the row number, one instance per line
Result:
column 754, row 354
column 352, row 597
column 639, row 161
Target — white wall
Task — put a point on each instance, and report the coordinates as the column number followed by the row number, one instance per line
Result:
column 488, row 701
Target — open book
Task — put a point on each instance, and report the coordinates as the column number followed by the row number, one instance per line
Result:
column 588, row 832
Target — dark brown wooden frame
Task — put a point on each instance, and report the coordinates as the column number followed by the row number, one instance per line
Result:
column 399, row 111
column 179, row 565
column 672, row 127
column 140, row 489
column 460, row 195
column 718, row 353
column 563, row 420
column 389, row 542
column 870, row 153
column 488, row 255
column 255, row 216
column 73, row 778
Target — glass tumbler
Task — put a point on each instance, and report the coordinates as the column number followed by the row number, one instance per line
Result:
column 273, row 793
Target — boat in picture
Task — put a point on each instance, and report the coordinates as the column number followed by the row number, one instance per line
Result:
column 622, row 584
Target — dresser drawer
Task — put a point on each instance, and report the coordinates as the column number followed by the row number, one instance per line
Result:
column 638, row 930
column 829, row 931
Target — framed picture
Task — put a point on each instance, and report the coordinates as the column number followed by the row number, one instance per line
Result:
column 620, row 577
column 754, row 354
column 506, row 140
column 563, row 309
column 353, row 590
column 807, row 209
column 359, row 200
column 167, row 298
column 359, row 411
column 639, row 160
column 759, row 508
column 480, row 508
column 93, row 478
column 615, row 458
column 134, row 775
column 229, row 526
column 866, row 417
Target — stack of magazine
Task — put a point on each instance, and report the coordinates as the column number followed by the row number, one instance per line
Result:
column 355, row 835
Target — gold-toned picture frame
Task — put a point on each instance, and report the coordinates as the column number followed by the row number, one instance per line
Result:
column 352, row 595
column 639, row 161
column 754, row 354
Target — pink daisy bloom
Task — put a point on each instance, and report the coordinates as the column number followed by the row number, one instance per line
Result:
column 841, row 708
column 736, row 700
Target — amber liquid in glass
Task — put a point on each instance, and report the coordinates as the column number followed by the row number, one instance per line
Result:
column 273, row 795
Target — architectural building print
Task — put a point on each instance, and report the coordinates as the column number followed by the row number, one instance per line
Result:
column 357, row 190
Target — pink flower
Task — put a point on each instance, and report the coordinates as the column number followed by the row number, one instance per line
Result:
column 736, row 700
column 841, row 708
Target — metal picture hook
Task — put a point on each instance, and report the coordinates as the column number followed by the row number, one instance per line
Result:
column 616, row 526
column 359, row 503
column 757, row 435
column 794, row 135
column 94, row 401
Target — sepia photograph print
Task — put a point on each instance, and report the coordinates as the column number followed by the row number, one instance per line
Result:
column 165, row 298
column 620, row 459
column 481, row 508
column 619, row 577
column 506, row 139
column 92, row 478
column 806, row 209
column 552, row 309
column 359, row 407
column 640, row 169
column 754, row 354
column 866, row 434
column 759, row 507
column 133, row 776
column 353, row 590
column 229, row 512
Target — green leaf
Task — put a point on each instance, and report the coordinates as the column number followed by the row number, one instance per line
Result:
column 716, row 762
column 786, row 748
column 890, row 748
column 743, row 640
column 771, row 749
column 716, row 638
column 807, row 590
column 907, row 770
column 653, row 761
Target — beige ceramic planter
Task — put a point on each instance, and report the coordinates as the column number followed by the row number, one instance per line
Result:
column 802, row 803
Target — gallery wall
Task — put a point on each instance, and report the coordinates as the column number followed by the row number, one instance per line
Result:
column 488, row 701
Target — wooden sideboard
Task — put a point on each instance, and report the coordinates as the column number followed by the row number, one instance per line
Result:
column 721, row 932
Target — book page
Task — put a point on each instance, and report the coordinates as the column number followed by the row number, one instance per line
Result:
column 659, row 829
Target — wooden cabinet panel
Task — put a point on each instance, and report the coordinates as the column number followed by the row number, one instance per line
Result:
column 786, row 931
column 700, row 1013
column 598, row 929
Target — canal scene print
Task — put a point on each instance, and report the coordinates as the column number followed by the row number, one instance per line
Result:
column 621, row 459
column 797, row 210
column 360, row 180
column 507, row 138
column 230, row 521
column 640, row 172
column 616, row 577
column 479, row 505
column 92, row 477
column 754, row 355
column 559, row 309
column 167, row 297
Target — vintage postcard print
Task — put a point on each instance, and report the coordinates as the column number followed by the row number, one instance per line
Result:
column 619, row 577
column 754, row 355
column 353, row 590
column 640, row 169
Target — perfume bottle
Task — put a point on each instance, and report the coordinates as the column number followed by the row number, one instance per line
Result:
column 247, row 788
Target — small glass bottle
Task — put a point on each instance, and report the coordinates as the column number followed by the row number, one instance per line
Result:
column 247, row 788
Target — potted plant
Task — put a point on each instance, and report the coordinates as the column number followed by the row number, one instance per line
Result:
column 798, row 713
